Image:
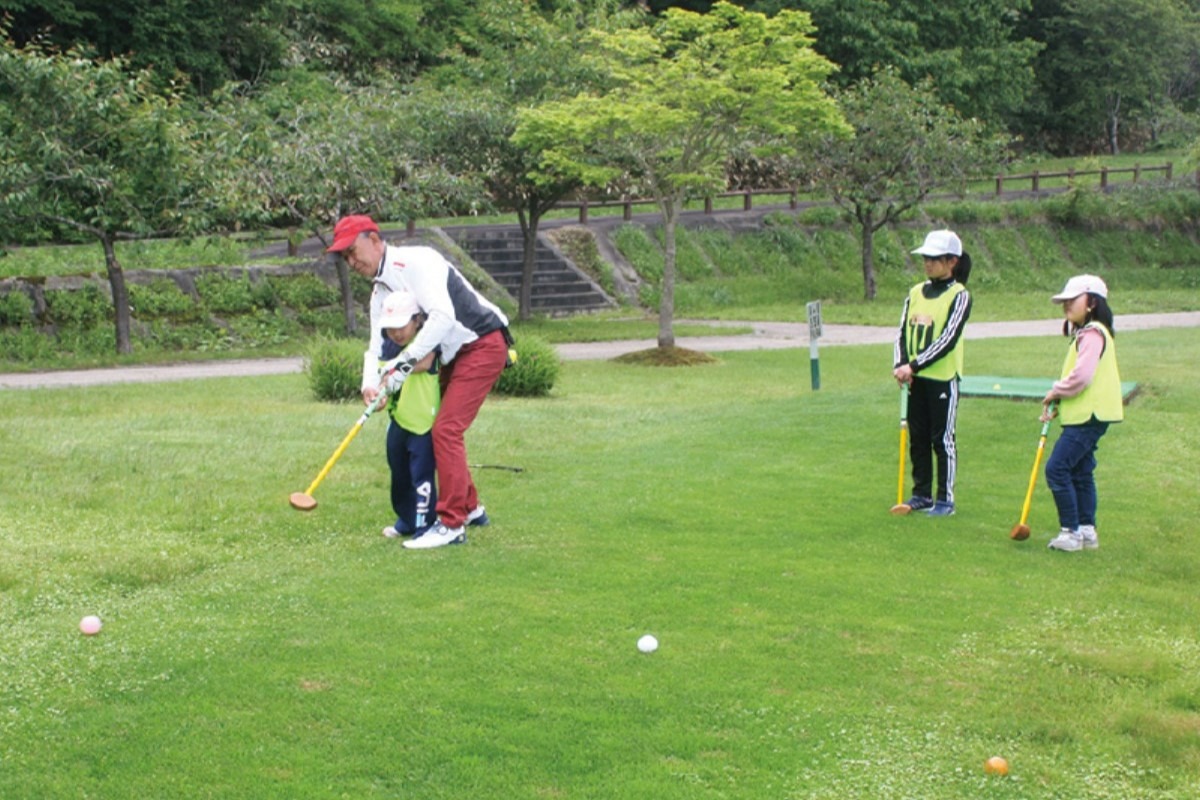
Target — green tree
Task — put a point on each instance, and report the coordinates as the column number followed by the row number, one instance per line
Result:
column 88, row 146
column 1108, row 62
column 682, row 96
column 310, row 152
column 513, row 57
column 905, row 145
column 973, row 52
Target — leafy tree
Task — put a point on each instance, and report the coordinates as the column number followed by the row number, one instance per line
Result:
column 210, row 42
column 512, row 57
column 905, row 145
column 973, row 52
column 206, row 41
column 683, row 95
column 313, row 151
column 1110, row 61
column 88, row 146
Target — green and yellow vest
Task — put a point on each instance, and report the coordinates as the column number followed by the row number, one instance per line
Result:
column 417, row 404
column 927, row 318
column 1102, row 398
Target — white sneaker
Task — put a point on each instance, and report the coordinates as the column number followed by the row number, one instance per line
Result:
column 1067, row 541
column 437, row 535
column 1087, row 533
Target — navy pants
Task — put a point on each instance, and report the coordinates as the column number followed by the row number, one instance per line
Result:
column 932, row 414
column 1070, row 473
column 414, row 493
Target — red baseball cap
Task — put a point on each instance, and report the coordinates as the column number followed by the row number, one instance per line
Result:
column 347, row 230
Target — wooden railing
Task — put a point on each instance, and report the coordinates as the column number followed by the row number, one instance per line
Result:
column 1003, row 185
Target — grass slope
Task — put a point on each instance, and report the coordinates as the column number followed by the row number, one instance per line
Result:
column 812, row 645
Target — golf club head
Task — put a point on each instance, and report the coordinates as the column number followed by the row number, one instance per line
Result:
column 1020, row 532
column 302, row 502
column 901, row 509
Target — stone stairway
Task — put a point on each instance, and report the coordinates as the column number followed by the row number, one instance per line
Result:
column 559, row 287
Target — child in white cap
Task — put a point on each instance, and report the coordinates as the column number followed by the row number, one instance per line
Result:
column 412, row 410
column 928, row 359
column 1088, row 399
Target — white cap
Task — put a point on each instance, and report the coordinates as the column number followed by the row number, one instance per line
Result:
column 940, row 243
column 398, row 308
column 1081, row 284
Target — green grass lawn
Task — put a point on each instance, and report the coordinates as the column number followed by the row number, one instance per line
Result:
column 812, row 645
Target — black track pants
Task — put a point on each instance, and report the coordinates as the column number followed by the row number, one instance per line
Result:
column 932, row 414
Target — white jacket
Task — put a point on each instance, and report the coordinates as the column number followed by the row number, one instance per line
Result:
column 456, row 314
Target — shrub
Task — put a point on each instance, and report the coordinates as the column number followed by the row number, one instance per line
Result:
column 334, row 368
column 26, row 345
column 225, row 295
column 15, row 308
column 534, row 373
column 161, row 298
column 303, row 292
column 79, row 308
column 821, row 215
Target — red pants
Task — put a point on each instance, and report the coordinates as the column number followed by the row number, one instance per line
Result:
column 465, row 383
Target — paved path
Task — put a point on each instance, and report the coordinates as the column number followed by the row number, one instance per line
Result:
column 766, row 336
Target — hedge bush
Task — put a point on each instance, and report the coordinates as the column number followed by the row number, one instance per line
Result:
column 534, row 373
column 334, row 368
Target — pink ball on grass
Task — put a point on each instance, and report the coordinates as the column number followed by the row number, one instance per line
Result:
column 90, row 625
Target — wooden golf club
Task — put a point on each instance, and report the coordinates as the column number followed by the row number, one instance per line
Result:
column 1020, row 531
column 902, row 507
column 304, row 501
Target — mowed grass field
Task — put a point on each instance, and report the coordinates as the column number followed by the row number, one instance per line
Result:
column 812, row 645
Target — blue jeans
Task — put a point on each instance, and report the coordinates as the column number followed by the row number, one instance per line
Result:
column 1069, row 473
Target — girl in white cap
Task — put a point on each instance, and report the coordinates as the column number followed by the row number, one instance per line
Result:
column 928, row 359
column 1088, row 399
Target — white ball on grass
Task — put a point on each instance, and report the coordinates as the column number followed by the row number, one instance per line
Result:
column 647, row 644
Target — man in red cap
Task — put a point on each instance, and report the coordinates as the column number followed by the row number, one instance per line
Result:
column 469, row 332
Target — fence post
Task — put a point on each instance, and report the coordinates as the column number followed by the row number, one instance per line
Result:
column 1036, row 181
column 627, row 212
column 411, row 228
column 999, row 185
column 1137, row 172
column 1104, row 177
column 708, row 204
column 747, row 202
column 583, row 211
column 793, row 200
column 1070, row 177
column 1169, row 169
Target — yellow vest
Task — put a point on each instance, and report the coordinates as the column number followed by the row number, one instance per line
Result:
column 926, row 320
column 417, row 404
column 1102, row 397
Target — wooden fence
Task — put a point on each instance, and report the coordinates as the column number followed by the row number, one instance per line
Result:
column 1031, row 182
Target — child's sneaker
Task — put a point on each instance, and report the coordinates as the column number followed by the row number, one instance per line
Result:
column 1068, row 541
column 395, row 531
column 918, row 503
column 478, row 518
column 942, row 508
column 1087, row 535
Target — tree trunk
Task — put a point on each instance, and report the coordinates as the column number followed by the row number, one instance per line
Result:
column 1114, row 123
column 343, row 273
column 666, row 303
column 120, row 295
column 867, row 219
column 529, row 231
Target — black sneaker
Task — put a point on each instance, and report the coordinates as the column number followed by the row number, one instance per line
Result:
column 918, row 503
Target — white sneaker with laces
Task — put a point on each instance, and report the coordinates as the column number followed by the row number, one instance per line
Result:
column 1068, row 541
column 437, row 535
column 1087, row 533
